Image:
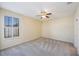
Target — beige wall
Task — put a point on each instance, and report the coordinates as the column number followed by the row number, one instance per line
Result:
column 29, row 29
column 59, row 29
column 76, row 30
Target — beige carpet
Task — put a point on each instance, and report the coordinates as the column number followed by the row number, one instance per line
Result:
column 41, row 47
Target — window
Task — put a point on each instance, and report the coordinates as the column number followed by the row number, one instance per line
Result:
column 16, row 27
column 11, row 27
column 7, row 27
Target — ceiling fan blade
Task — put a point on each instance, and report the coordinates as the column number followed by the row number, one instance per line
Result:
column 41, row 17
column 47, row 16
column 49, row 13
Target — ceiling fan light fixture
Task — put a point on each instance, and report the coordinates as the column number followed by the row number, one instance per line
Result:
column 43, row 16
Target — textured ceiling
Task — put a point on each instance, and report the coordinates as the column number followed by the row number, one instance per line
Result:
column 58, row 9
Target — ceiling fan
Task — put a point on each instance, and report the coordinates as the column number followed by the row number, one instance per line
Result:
column 44, row 14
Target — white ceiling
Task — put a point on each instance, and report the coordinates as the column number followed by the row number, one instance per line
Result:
column 58, row 9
